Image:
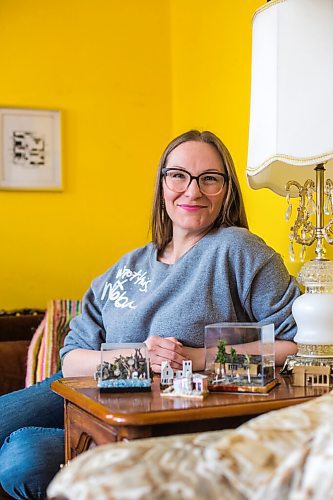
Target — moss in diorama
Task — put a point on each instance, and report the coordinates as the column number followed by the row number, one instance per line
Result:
column 123, row 368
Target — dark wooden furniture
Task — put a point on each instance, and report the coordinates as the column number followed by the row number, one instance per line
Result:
column 16, row 331
column 93, row 418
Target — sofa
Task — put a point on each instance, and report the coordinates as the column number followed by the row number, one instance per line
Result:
column 16, row 331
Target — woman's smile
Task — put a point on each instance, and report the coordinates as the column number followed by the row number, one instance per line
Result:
column 191, row 208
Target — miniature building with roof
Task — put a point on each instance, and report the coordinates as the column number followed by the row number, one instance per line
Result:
column 200, row 382
column 166, row 373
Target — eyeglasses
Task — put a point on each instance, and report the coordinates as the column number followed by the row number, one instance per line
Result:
column 179, row 180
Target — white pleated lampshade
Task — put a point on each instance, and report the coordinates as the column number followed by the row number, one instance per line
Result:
column 291, row 122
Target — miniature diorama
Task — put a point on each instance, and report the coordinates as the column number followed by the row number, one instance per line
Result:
column 311, row 376
column 124, row 368
column 240, row 357
column 309, row 372
column 182, row 383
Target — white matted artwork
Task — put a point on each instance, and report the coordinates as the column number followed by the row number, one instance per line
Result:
column 30, row 149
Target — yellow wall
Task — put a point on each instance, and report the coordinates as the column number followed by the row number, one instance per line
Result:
column 128, row 76
column 106, row 65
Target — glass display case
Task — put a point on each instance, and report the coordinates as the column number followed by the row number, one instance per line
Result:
column 124, row 368
column 240, row 357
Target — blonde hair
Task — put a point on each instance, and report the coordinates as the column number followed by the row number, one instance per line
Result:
column 232, row 212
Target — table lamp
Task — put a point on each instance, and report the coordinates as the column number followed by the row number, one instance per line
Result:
column 291, row 148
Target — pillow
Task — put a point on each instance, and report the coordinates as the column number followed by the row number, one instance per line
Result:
column 43, row 355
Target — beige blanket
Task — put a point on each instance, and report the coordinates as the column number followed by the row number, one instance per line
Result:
column 286, row 454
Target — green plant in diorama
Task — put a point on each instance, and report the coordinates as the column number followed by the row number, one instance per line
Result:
column 221, row 356
column 233, row 356
column 246, row 365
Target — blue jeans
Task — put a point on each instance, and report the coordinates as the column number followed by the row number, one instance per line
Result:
column 31, row 439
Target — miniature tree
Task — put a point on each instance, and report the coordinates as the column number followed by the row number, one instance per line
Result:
column 233, row 359
column 221, row 355
column 246, row 364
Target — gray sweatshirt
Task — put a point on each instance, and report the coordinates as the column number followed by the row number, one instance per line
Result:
column 229, row 275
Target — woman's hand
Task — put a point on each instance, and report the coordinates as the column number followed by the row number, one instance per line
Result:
column 165, row 349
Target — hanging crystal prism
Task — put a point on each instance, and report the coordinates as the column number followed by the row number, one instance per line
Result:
column 288, row 212
column 302, row 253
column 326, row 212
column 291, row 252
column 311, row 206
column 328, row 207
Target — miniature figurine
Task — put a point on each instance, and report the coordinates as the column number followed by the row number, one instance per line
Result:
column 185, row 384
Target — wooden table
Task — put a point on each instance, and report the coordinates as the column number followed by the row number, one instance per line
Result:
column 93, row 418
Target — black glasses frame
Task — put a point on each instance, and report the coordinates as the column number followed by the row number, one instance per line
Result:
column 225, row 176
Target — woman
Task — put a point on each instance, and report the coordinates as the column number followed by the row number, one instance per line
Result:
column 203, row 266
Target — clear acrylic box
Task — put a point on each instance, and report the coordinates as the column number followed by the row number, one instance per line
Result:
column 240, row 357
column 124, row 368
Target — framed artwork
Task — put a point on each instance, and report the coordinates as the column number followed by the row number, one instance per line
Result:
column 30, row 149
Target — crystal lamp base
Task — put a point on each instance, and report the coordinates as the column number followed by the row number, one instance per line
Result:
column 315, row 350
